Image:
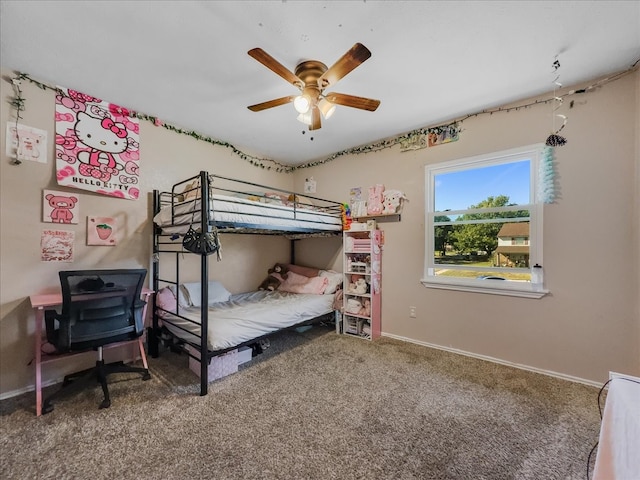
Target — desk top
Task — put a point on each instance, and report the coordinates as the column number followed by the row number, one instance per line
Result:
column 42, row 300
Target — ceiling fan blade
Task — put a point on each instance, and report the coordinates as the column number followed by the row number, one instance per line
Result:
column 275, row 66
column 353, row 101
column 315, row 119
column 271, row 103
column 350, row 60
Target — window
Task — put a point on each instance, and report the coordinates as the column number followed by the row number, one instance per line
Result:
column 483, row 224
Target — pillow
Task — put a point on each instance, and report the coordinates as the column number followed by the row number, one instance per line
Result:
column 167, row 300
column 302, row 202
column 191, row 190
column 306, row 271
column 295, row 283
column 276, row 198
column 217, row 293
column 183, row 297
column 334, row 280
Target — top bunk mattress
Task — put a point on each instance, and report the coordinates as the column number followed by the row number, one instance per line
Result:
column 229, row 211
column 247, row 316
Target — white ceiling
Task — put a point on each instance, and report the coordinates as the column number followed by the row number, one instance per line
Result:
column 186, row 62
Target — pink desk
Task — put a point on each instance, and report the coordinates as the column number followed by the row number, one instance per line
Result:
column 47, row 300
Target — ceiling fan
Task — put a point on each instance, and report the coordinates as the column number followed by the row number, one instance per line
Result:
column 312, row 77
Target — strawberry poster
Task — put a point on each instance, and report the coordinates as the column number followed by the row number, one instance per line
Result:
column 97, row 145
column 101, row 231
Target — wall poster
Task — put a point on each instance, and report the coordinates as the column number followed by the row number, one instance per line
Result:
column 26, row 143
column 57, row 246
column 97, row 145
column 59, row 207
column 101, row 231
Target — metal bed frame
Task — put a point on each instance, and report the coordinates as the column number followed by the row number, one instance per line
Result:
column 165, row 243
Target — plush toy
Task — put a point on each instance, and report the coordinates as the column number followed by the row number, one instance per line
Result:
column 392, row 201
column 359, row 286
column 281, row 269
column 374, row 203
column 365, row 311
column 353, row 306
column 346, row 216
column 270, row 283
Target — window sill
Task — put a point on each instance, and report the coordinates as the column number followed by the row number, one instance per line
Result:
column 475, row 286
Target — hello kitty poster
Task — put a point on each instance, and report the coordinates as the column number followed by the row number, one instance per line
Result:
column 97, row 145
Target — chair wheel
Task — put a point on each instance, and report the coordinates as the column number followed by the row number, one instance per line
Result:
column 146, row 376
column 105, row 404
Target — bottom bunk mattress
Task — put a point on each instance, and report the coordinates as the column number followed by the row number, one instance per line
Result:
column 247, row 316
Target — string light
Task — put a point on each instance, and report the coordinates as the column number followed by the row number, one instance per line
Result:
column 452, row 128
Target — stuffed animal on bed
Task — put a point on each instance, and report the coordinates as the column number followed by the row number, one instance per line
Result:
column 272, row 282
column 281, row 269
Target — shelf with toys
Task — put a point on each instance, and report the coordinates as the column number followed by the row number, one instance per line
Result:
column 363, row 283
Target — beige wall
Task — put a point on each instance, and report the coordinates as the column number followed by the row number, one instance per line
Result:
column 166, row 157
column 588, row 326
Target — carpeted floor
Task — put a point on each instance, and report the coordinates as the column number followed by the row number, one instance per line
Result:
column 315, row 405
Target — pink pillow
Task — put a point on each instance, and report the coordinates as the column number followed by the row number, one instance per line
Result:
column 165, row 299
column 306, row 271
column 295, row 283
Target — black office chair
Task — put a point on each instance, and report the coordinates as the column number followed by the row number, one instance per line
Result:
column 99, row 307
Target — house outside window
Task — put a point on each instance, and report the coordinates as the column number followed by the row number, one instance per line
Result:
column 483, row 223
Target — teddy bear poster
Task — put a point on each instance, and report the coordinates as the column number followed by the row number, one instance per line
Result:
column 59, row 207
column 97, row 145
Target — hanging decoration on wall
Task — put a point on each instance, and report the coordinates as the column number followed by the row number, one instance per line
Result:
column 26, row 143
column 556, row 140
column 101, row 231
column 59, row 207
column 97, row 145
column 57, row 246
column 547, row 177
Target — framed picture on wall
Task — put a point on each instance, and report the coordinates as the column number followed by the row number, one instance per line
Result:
column 59, row 207
column 101, row 231
column 57, row 246
column 26, row 143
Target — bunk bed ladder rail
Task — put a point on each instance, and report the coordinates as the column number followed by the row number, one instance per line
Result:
column 152, row 332
column 205, row 225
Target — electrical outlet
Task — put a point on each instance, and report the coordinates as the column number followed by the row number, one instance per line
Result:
column 412, row 312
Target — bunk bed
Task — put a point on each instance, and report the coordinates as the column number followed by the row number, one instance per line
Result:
column 222, row 205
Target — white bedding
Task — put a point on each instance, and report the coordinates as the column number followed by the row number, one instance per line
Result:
column 250, row 315
column 248, row 212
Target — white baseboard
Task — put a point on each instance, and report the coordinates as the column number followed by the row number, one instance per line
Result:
column 549, row 373
column 47, row 383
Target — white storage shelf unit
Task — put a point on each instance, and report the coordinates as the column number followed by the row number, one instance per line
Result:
column 362, row 292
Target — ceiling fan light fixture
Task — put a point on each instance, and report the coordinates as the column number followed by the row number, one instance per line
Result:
column 305, row 118
column 302, row 104
column 326, row 107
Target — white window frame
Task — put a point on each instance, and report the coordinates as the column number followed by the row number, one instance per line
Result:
column 535, row 207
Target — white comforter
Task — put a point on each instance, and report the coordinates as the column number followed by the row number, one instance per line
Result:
column 250, row 315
